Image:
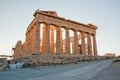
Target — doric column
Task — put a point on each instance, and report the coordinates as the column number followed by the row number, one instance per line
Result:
column 89, row 44
column 61, row 41
column 83, row 43
column 75, row 42
column 58, row 40
column 43, row 38
column 37, row 38
column 73, row 47
column 67, row 43
column 94, row 45
column 47, row 45
column 52, row 40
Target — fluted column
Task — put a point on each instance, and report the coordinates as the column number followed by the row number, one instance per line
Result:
column 58, row 40
column 67, row 43
column 83, row 43
column 37, row 38
column 89, row 44
column 61, row 41
column 52, row 40
column 47, row 45
column 94, row 45
column 75, row 42
column 73, row 47
column 43, row 38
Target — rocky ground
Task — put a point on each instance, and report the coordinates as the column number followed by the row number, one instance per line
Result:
column 95, row 70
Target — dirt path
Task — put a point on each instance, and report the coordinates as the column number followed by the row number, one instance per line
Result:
column 110, row 73
column 80, row 71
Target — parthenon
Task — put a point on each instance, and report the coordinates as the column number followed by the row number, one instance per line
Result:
column 50, row 34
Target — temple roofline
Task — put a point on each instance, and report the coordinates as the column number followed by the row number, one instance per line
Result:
column 47, row 13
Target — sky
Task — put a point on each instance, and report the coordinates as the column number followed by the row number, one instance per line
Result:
column 16, row 15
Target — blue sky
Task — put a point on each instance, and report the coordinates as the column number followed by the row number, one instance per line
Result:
column 15, row 16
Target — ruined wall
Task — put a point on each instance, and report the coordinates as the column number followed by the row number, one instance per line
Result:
column 28, row 46
column 30, row 40
column 18, row 52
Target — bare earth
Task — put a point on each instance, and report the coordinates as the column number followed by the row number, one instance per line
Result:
column 96, row 70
